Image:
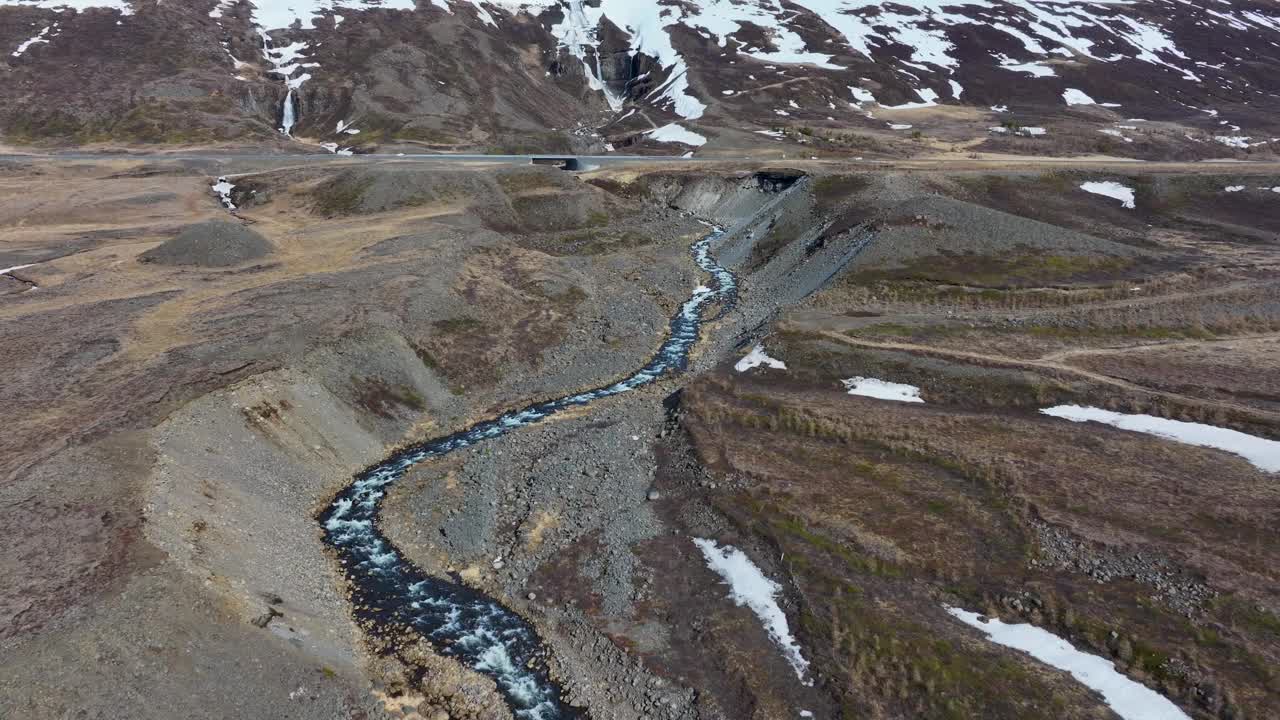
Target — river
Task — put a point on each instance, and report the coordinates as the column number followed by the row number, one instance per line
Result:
column 392, row 596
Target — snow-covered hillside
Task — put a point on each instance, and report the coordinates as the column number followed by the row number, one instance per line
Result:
column 1205, row 66
column 931, row 41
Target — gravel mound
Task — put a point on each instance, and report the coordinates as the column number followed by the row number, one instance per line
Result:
column 215, row 243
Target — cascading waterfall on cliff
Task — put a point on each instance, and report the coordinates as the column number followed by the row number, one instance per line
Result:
column 286, row 61
column 577, row 33
column 288, row 118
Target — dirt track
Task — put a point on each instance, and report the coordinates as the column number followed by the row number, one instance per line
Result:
column 1157, row 346
column 1040, row 364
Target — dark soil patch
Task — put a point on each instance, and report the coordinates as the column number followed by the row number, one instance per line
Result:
column 384, row 400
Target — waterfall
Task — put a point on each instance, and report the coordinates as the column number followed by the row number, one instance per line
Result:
column 286, row 61
column 287, row 116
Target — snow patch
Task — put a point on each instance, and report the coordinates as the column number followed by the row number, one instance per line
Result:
column 280, row 14
column 862, row 95
column 1076, row 97
column 674, row 133
column 122, row 6
column 1129, row 700
column 1261, row 452
column 223, row 189
column 928, row 99
column 1111, row 189
column 41, row 37
column 1034, row 69
column 756, row 358
column 882, row 389
column 749, row 587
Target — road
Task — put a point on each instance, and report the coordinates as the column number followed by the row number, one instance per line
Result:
column 588, row 162
column 238, row 164
column 330, row 157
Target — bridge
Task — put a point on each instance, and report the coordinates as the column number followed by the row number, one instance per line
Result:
column 564, row 162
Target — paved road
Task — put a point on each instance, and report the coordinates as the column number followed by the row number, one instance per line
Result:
column 586, row 162
column 371, row 157
column 233, row 164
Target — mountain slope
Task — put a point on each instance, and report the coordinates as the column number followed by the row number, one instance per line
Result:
column 1167, row 78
